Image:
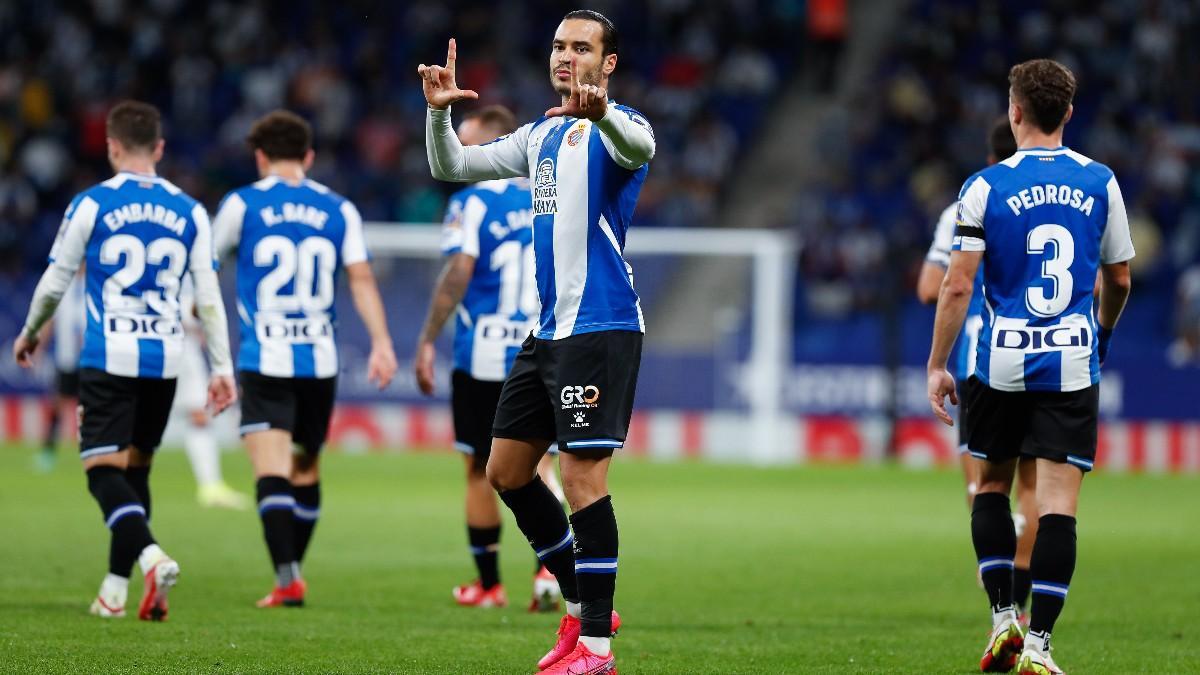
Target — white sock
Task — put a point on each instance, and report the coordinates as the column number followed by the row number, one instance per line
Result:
column 114, row 590
column 204, row 455
column 151, row 556
column 595, row 645
column 574, row 609
column 1039, row 642
column 1005, row 614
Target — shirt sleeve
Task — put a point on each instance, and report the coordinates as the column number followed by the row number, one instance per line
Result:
column 449, row 160
column 202, row 255
column 354, row 245
column 1115, row 244
column 227, row 226
column 66, row 255
column 972, row 205
column 627, row 137
column 943, row 238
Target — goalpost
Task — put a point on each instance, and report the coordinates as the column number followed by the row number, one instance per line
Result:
column 772, row 256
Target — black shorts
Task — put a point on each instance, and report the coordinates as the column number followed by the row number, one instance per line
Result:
column 301, row 406
column 577, row 390
column 1057, row 425
column 116, row 412
column 473, row 404
column 66, row 383
column 964, row 419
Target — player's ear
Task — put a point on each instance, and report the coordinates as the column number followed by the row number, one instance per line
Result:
column 610, row 64
column 1070, row 111
column 309, row 156
column 157, row 155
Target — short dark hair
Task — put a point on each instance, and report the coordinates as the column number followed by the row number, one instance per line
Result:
column 610, row 40
column 1044, row 88
column 495, row 116
column 281, row 134
column 1000, row 141
column 137, row 125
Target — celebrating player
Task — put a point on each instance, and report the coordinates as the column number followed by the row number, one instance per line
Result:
column 292, row 235
column 489, row 277
column 574, row 379
column 1000, row 145
column 1041, row 222
column 138, row 234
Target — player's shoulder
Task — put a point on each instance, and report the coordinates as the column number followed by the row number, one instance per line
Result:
column 635, row 115
column 1098, row 170
column 982, row 179
column 118, row 189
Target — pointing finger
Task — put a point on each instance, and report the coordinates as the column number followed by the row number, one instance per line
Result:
column 451, row 55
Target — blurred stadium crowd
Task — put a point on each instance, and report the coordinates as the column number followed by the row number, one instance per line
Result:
column 919, row 130
column 703, row 72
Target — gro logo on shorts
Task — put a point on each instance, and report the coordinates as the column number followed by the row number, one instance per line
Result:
column 576, row 395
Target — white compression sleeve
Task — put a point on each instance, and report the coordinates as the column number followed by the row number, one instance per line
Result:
column 211, row 311
column 449, row 160
column 629, row 141
column 46, row 297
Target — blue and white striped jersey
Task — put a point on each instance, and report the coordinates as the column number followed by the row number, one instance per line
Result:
column 492, row 222
column 1045, row 219
column 586, row 180
column 291, row 240
column 962, row 361
column 137, row 235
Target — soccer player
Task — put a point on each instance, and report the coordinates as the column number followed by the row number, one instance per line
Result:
column 1000, row 145
column 139, row 234
column 292, row 235
column 192, row 419
column 574, row 379
column 488, row 278
column 1042, row 223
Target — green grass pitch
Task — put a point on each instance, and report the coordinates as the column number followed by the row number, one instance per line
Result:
column 723, row 570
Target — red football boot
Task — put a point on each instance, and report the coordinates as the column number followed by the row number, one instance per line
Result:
column 475, row 595
column 568, row 638
column 581, row 661
column 291, row 595
column 159, row 579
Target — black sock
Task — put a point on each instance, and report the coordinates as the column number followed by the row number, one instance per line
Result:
column 1022, row 580
column 485, row 547
column 305, row 515
column 123, row 514
column 139, row 479
column 995, row 545
column 1052, row 565
column 541, row 519
column 595, row 529
column 275, row 507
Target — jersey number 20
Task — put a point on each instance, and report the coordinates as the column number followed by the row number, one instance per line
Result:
column 1056, row 269
column 308, row 264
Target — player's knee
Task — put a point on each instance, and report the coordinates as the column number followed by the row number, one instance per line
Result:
column 503, row 477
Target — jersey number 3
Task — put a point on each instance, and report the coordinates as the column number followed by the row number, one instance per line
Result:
column 1050, row 302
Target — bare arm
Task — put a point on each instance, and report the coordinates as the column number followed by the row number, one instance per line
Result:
column 952, row 305
column 381, row 366
column 450, row 289
column 929, row 283
column 1115, row 285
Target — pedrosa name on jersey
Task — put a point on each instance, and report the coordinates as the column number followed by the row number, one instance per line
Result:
column 304, row 214
column 1063, row 195
column 154, row 213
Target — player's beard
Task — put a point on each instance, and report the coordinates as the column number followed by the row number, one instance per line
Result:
column 593, row 76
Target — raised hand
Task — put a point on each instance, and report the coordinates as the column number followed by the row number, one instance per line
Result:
column 588, row 101
column 438, row 82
